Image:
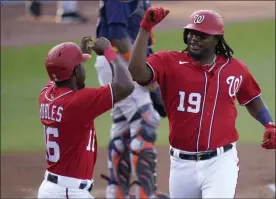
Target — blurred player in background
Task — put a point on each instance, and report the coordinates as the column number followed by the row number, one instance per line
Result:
column 33, row 7
column 135, row 119
column 67, row 11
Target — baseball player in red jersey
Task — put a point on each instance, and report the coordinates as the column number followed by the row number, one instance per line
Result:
column 67, row 112
column 199, row 86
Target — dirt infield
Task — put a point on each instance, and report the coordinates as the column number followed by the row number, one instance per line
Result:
column 22, row 173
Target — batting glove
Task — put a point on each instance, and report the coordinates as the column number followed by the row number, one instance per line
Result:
column 269, row 136
column 152, row 17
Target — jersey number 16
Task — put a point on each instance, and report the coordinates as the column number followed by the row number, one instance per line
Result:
column 53, row 148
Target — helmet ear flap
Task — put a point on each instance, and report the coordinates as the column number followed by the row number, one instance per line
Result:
column 185, row 36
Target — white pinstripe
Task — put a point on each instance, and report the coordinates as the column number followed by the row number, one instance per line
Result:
column 214, row 108
column 51, row 100
column 203, row 105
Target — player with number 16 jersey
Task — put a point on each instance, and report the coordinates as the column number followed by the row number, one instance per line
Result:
column 64, row 129
column 67, row 112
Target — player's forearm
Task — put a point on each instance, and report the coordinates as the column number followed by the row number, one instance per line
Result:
column 259, row 111
column 137, row 65
column 122, row 83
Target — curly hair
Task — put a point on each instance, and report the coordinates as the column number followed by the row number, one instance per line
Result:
column 222, row 48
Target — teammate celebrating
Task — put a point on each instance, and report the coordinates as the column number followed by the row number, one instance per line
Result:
column 67, row 112
column 199, row 86
column 135, row 121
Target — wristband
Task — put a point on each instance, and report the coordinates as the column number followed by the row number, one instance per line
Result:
column 263, row 116
column 110, row 55
column 270, row 124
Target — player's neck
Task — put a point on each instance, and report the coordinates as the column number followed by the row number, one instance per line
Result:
column 208, row 60
column 69, row 85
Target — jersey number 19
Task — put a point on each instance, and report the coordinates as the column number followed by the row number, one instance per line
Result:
column 193, row 102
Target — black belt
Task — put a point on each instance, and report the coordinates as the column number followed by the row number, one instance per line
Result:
column 201, row 155
column 54, row 179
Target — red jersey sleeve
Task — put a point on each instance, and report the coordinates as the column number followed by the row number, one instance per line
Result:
column 93, row 102
column 155, row 62
column 249, row 89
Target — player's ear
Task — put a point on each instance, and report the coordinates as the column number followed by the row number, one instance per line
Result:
column 77, row 70
column 185, row 36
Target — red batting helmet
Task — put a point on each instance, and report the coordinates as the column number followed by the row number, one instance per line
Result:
column 206, row 21
column 62, row 60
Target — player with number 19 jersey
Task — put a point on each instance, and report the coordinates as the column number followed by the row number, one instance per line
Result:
column 199, row 100
column 68, row 122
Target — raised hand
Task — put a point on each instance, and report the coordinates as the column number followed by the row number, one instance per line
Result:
column 152, row 17
column 100, row 45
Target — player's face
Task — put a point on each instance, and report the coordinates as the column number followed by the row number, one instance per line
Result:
column 80, row 76
column 200, row 45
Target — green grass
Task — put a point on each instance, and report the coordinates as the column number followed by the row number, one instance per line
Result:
column 23, row 75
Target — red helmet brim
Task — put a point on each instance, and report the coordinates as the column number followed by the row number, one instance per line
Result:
column 203, row 29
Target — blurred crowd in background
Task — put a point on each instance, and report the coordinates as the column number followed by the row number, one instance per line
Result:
column 66, row 11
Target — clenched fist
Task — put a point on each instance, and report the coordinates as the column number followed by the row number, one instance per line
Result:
column 100, row 45
column 152, row 17
column 269, row 140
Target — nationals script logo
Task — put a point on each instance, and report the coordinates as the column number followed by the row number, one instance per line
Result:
column 234, row 84
column 199, row 19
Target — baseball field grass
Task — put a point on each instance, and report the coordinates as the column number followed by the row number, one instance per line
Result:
column 23, row 75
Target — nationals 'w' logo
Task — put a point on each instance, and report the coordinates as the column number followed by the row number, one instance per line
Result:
column 199, row 18
column 234, row 84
